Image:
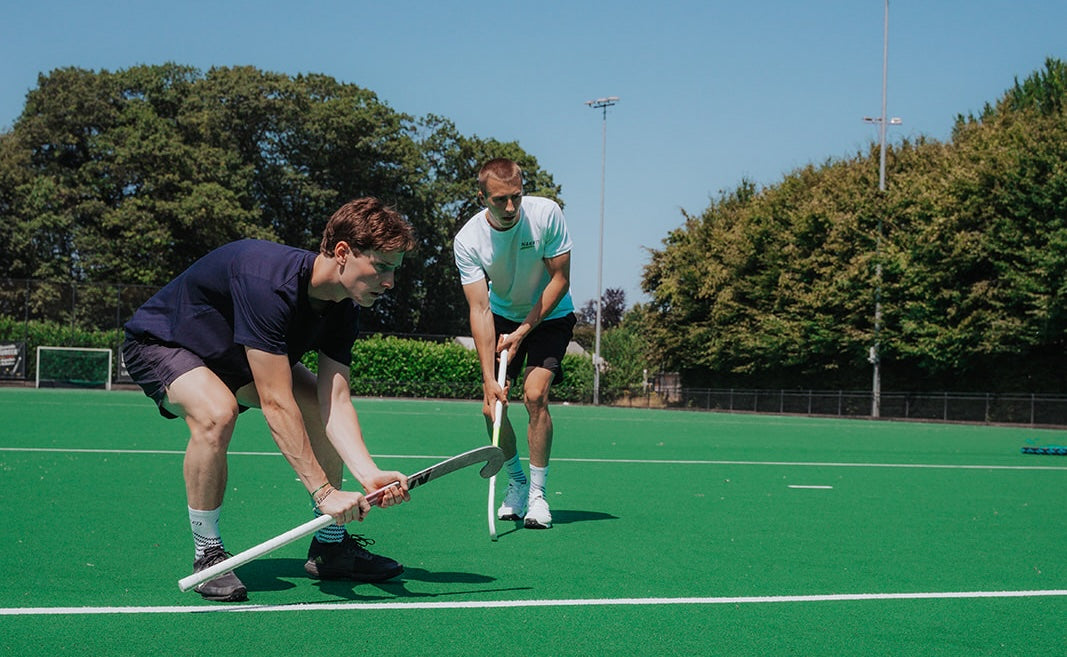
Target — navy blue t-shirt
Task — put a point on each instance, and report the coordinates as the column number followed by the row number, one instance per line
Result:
column 249, row 293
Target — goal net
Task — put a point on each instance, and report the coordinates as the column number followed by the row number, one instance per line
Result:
column 73, row 367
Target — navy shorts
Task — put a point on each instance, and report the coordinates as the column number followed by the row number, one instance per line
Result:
column 155, row 365
column 544, row 346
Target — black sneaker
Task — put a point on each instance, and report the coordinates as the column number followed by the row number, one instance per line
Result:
column 224, row 588
column 349, row 560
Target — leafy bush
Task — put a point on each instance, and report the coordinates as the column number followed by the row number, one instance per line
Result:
column 52, row 334
column 381, row 366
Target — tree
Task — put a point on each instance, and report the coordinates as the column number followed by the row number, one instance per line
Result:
column 131, row 176
column 775, row 286
column 612, row 309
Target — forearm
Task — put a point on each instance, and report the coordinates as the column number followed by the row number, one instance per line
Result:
column 483, row 332
column 341, row 422
column 551, row 296
column 287, row 429
column 343, row 432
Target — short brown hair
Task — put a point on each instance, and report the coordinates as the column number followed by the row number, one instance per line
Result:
column 501, row 169
column 367, row 224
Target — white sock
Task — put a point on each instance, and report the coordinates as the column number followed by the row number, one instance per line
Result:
column 513, row 467
column 205, row 526
column 538, row 476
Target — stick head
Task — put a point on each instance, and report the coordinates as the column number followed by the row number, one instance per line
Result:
column 494, row 461
column 493, row 457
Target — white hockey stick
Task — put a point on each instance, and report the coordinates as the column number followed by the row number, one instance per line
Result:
column 498, row 411
column 492, row 456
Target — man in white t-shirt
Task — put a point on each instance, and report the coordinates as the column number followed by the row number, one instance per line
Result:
column 514, row 260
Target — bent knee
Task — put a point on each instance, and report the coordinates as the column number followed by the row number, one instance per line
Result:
column 213, row 424
column 536, row 400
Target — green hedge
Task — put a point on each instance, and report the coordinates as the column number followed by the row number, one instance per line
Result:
column 37, row 333
column 396, row 367
column 381, row 366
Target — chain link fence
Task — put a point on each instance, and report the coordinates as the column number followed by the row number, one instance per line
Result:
column 1046, row 410
column 86, row 306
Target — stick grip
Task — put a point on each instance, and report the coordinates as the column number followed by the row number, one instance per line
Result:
column 501, row 380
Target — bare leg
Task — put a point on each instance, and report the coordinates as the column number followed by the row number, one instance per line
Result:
column 210, row 411
column 539, row 431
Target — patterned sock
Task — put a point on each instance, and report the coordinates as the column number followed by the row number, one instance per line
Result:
column 205, row 526
column 538, row 476
column 331, row 533
column 513, row 467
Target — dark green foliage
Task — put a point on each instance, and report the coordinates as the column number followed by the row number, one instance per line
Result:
column 51, row 334
column 130, row 176
column 776, row 287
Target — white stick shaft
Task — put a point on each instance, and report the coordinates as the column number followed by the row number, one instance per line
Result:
column 498, row 412
column 501, row 380
column 255, row 552
column 270, row 545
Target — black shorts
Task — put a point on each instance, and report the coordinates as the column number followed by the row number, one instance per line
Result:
column 544, row 346
column 155, row 365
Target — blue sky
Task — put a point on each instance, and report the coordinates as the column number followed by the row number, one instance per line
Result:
column 710, row 91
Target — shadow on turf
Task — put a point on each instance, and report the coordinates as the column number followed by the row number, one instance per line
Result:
column 566, row 517
column 285, row 574
column 558, row 518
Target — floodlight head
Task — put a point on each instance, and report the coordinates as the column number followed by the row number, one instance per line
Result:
column 602, row 102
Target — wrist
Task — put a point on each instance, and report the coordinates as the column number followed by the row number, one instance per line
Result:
column 319, row 495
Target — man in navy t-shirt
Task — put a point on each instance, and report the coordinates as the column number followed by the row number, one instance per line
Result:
column 228, row 333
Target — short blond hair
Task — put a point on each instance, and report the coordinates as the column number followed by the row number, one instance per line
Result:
column 500, row 168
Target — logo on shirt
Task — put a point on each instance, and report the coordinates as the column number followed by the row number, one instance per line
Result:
column 529, row 244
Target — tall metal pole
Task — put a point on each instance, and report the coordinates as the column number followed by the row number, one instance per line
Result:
column 883, row 122
column 601, row 104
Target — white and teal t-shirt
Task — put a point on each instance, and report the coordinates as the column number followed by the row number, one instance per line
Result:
column 513, row 259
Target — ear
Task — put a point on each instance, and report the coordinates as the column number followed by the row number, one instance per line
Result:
column 341, row 250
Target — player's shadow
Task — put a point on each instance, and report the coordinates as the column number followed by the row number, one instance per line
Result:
column 559, row 517
column 566, row 517
column 283, row 574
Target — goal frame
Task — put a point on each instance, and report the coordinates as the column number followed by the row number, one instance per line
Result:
column 110, row 364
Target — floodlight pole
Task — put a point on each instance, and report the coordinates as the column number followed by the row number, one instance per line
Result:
column 601, row 104
column 875, row 355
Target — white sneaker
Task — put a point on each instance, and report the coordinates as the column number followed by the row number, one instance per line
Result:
column 538, row 516
column 514, row 506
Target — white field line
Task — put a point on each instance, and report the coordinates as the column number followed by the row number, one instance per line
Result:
column 502, row 604
column 439, row 457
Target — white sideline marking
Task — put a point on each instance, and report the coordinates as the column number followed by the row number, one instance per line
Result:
column 813, row 487
column 500, row 604
column 440, row 457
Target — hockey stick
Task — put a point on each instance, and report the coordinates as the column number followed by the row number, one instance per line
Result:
column 492, row 456
column 498, row 411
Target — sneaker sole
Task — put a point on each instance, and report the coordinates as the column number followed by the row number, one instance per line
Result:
column 509, row 516
column 312, row 569
column 237, row 595
column 530, row 523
